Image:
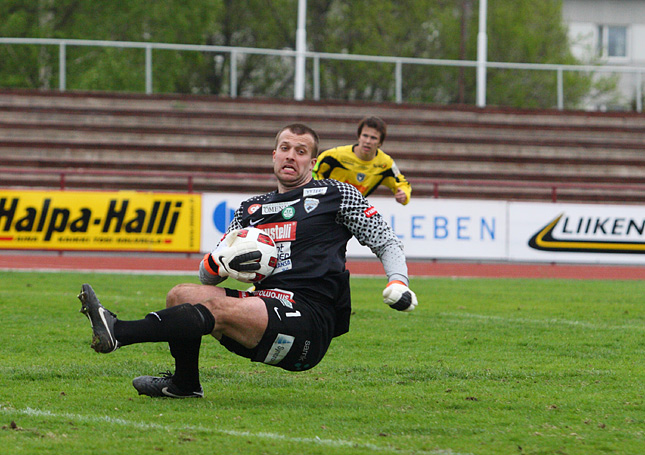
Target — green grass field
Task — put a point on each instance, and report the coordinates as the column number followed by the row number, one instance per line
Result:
column 486, row 366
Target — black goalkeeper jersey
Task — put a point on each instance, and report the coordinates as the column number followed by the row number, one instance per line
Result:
column 311, row 226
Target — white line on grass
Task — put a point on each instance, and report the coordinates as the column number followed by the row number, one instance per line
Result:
column 245, row 434
column 552, row 321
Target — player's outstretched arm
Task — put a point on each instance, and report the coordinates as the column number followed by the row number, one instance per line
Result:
column 369, row 227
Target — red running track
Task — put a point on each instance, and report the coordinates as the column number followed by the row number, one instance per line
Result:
column 134, row 263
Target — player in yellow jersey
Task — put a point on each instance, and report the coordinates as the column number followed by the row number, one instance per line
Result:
column 364, row 165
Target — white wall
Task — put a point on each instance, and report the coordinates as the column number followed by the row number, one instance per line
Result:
column 638, row 43
column 583, row 18
column 604, row 11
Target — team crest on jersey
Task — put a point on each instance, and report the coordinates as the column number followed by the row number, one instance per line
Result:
column 311, row 204
column 360, row 176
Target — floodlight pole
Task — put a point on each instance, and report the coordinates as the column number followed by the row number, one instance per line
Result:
column 482, row 44
column 301, row 48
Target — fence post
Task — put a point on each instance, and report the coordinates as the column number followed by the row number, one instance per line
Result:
column 316, row 78
column 639, row 92
column 301, row 48
column 482, row 54
column 233, row 76
column 560, row 90
column 62, row 66
column 149, row 69
column 398, row 77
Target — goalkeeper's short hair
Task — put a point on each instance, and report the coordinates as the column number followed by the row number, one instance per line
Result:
column 300, row 129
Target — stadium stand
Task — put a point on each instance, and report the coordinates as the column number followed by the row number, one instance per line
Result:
column 97, row 140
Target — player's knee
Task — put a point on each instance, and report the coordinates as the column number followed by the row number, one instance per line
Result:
column 178, row 295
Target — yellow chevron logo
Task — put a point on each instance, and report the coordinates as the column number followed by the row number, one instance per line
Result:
column 545, row 241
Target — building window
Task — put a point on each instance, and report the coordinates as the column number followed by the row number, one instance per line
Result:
column 612, row 41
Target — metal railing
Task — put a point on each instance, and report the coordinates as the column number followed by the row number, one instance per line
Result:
column 316, row 58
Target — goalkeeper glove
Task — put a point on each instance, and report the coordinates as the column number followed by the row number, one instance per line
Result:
column 399, row 296
column 239, row 260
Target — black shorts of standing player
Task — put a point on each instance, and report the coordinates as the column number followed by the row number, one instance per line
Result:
column 297, row 336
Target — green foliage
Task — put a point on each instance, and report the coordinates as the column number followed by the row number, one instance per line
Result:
column 484, row 366
column 518, row 31
column 530, row 32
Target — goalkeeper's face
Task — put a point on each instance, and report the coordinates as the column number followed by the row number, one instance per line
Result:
column 293, row 160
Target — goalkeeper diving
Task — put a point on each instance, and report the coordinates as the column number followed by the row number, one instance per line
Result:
column 290, row 317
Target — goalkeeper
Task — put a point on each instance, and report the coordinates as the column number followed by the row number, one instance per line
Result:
column 290, row 318
column 364, row 165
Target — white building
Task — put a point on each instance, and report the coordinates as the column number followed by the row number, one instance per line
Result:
column 610, row 32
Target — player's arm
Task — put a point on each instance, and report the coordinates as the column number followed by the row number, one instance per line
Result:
column 209, row 273
column 397, row 294
column 398, row 184
column 403, row 190
column 371, row 230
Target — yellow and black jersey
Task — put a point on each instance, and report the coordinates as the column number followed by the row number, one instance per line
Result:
column 342, row 164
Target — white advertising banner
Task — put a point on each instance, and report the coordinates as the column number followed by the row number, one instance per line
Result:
column 443, row 229
column 591, row 233
column 428, row 228
column 217, row 212
column 485, row 230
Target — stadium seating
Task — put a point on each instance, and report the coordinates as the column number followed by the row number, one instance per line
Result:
column 100, row 140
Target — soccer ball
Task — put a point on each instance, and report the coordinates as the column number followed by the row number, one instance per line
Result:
column 265, row 244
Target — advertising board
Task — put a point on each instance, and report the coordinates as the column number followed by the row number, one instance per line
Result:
column 99, row 221
column 593, row 233
column 440, row 228
column 427, row 227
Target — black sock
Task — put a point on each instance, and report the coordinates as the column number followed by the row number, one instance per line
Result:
column 186, row 354
column 179, row 322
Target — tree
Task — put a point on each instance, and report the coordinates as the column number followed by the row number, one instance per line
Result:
column 259, row 24
column 518, row 31
column 530, row 32
column 97, row 68
column 406, row 28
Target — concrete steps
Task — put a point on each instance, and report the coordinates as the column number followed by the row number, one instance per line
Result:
column 125, row 139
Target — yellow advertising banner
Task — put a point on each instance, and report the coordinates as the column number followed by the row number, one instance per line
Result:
column 99, row 221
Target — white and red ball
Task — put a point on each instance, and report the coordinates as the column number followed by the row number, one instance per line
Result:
column 266, row 245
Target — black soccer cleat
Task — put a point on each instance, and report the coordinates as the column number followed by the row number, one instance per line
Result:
column 102, row 321
column 155, row 386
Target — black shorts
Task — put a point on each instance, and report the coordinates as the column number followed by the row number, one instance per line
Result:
column 297, row 336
